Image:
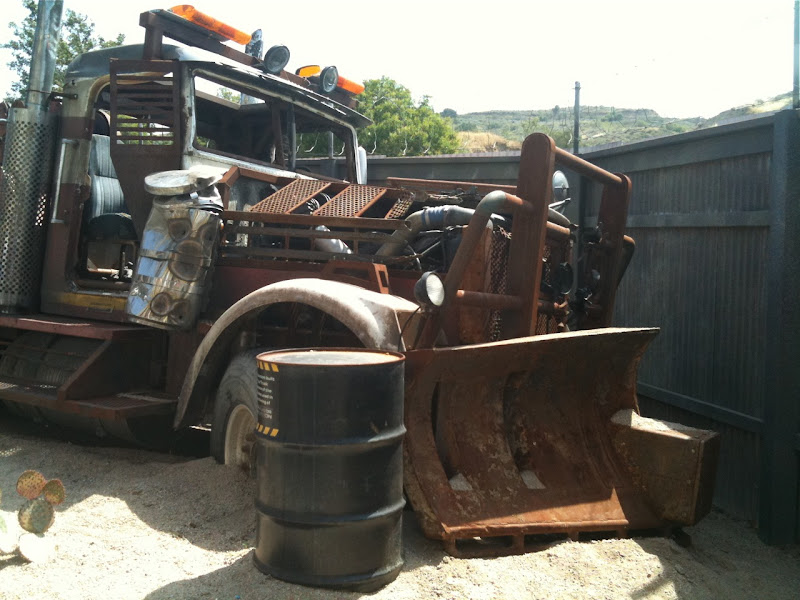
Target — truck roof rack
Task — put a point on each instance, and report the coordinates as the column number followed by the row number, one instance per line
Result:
column 159, row 23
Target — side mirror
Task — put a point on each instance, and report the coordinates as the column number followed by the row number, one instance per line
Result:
column 361, row 166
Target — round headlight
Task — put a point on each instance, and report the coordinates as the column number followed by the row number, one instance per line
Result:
column 328, row 79
column 276, row 59
column 429, row 290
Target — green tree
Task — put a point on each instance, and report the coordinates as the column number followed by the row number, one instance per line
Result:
column 562, row 137
column 530, row 125
column 400, row 126
column 77, row 37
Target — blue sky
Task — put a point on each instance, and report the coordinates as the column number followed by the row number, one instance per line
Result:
column 679, row 58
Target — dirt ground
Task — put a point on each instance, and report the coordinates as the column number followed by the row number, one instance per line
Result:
column 140, row 524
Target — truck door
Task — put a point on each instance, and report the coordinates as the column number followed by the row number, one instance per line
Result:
column 136, row 131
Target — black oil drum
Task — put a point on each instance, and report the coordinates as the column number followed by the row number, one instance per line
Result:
column 330, row 467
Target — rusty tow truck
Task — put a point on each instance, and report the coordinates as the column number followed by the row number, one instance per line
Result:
column 132, row 320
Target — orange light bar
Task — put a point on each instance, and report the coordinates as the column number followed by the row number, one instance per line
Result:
column 308, row 70
column 350, row 86
column 190, row 13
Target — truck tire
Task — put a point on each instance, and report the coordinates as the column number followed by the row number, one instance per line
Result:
column 235, row 414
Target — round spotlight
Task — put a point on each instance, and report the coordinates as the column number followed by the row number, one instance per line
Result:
column 560, row 187
column 328, row 79
column 276, row 59
column 429, row 290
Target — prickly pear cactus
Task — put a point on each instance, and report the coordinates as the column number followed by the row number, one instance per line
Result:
column 36, row 515
column 54, row 492
column 30, row 484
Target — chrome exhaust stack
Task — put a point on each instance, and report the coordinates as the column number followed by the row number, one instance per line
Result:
column 27, row 171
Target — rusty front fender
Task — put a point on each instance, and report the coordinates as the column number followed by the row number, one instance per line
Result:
column 374, row 318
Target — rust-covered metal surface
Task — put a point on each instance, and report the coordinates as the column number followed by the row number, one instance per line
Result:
column 514, row 439
column 146, row 127
column 353, row 201
column 290, row 197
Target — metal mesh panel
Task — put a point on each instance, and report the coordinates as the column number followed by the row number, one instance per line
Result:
column 351, row 202
column 27, row 165
column 498, row 276
column 400, row 207
column 289, row 197
column 547, row 271
column 63, row 358
column 546, row 324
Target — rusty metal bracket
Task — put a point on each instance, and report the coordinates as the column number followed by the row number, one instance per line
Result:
column 372, row 276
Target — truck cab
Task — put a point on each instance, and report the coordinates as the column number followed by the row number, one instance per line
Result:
column 124, row 117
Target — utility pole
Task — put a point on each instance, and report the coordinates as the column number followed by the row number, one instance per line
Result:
column 796, row 89
column 576, row 129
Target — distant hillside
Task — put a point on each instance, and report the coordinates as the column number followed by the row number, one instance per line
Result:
column 505, row 129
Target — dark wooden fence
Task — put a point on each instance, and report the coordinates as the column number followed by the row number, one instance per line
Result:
column 716, row 218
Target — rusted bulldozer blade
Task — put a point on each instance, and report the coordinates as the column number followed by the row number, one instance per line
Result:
column 513, row 443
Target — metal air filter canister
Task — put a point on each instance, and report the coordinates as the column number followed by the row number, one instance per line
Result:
column 330, row 467
column 175, row 261
column 24, row 194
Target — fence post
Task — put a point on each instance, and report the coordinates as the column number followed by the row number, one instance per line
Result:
column 778, row 497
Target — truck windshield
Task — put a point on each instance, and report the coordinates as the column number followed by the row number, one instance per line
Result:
column 237, row 122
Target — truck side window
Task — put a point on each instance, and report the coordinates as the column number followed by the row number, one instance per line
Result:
column 228, row 121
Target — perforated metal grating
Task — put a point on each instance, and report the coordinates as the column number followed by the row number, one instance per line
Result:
column 351, row 202
column 546, row 323
column 400, row 207
column 498, row 276
column 289, row 197
column 27, row 167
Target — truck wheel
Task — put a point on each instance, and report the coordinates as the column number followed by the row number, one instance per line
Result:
column 235, row 417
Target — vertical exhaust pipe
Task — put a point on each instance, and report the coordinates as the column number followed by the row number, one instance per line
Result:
column 796, row 74
column 27, row 172
column 45, row 48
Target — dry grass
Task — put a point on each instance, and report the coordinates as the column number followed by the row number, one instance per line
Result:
column 482, row 141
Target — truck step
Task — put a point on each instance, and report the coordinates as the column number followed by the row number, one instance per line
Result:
column 127, row 405
column 95, row 330
column 119, row 406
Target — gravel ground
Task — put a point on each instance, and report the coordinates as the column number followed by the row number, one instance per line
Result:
column 139, row 524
